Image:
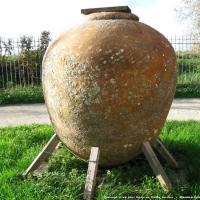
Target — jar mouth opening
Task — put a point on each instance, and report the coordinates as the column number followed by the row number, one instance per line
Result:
column 110, row 13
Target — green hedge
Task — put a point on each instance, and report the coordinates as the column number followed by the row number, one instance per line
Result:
column 23, row 95
column 187, row 91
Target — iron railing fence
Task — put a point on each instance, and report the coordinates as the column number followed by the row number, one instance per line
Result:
column 20, row 60
column 187, row 49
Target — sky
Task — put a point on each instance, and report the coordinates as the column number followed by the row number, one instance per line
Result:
column 30, row 17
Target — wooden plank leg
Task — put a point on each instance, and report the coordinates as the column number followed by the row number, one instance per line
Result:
column 43, row 155
column 91, row 173
column 156, row 166
column 159, row 146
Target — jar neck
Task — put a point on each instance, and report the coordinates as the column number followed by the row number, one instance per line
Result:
column 113, row 16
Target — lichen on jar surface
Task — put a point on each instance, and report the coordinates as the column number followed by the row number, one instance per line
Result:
column 107, row 84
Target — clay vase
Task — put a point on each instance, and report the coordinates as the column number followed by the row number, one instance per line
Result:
column 109, row 83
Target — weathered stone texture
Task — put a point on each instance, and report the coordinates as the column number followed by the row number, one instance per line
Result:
column 109, row 83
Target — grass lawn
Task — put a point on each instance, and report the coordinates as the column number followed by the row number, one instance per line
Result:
column 66, row 173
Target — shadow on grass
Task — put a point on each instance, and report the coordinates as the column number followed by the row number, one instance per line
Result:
column 135, row 178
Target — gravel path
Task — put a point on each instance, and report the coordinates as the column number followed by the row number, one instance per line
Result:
column 182, row 109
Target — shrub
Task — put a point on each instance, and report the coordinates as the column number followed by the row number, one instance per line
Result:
column 18, row 94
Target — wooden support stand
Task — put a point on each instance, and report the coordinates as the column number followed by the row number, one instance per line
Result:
column 94, row 161
column 159, row 146
column 91, row 173
column 43, row 155
column 155, row 164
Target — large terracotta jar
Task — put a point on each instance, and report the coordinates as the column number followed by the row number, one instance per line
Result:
column 109, row 83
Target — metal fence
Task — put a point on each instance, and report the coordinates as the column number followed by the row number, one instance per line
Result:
column 20, row 60
column 188, row 58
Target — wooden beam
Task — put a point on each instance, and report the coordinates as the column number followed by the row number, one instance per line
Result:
column 43, row 155
column 159, row 146
column 156, row 166
column 106, row 9
column 91, row 173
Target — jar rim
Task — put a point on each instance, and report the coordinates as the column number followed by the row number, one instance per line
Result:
column 88, row 11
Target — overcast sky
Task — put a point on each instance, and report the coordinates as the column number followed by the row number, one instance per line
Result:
column 30, row 17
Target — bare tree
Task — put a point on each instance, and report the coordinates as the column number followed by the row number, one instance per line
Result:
column 189, row 10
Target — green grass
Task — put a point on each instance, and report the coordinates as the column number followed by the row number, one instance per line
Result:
column 19, row 95
column 66, row 173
